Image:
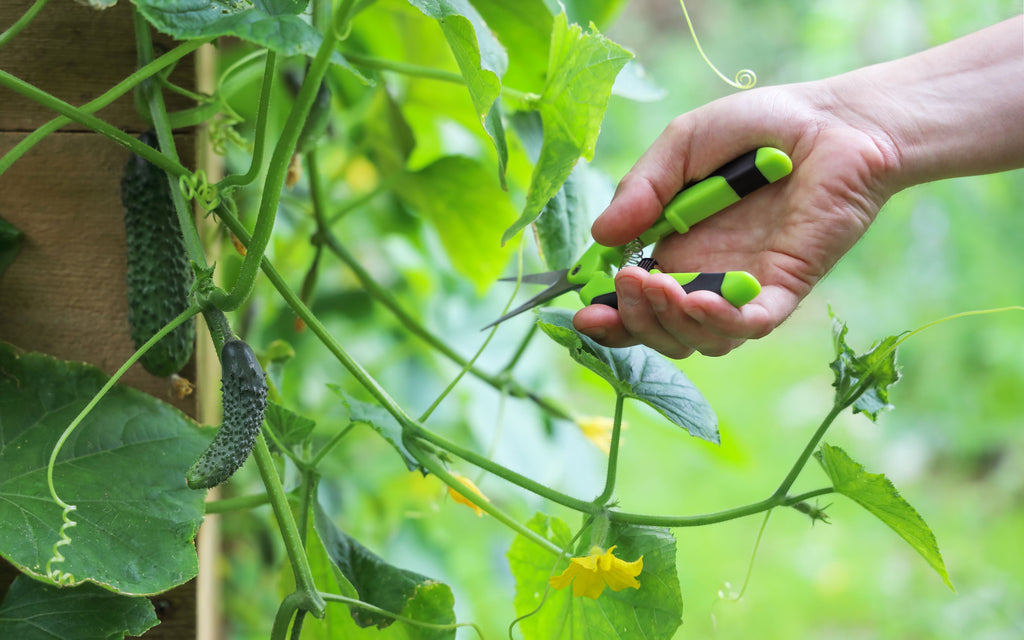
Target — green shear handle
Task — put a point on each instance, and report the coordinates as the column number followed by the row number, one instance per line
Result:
column 593, row 274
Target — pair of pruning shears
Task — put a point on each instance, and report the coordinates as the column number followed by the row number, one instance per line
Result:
column 592, row 275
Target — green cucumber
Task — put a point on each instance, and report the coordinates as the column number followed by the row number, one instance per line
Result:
column 244, row 397
column 159, row 273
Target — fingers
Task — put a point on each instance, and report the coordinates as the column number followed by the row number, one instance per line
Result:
column 655, row 311
column 691, row 147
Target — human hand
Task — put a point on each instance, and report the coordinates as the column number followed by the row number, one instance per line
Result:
column 788, row 234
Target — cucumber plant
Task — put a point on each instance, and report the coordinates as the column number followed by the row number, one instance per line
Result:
column 455, row 125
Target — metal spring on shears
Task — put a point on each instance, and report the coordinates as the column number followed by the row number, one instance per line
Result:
column 633, row 252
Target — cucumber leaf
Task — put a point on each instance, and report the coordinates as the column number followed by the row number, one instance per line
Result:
column 466, row 205
column 387, row 587
column 482, row 61
column 877, row 494
column 600, row 12
column 380, row 421
column 290, row 427
column 267, row 23
column 876, row 368
column 33, row 610
column 654, row 611
column 10, row 243
column 637, row 372
column 582, row 67
column 522, row 26
column 124, row 468
column 563, row 228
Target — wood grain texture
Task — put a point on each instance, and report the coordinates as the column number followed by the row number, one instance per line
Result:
column 65, row 293
column 77, row 53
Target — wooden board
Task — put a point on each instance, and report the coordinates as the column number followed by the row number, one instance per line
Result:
column 65, row 293
column 76, row 53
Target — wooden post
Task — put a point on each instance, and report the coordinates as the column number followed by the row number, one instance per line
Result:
column 65, row 293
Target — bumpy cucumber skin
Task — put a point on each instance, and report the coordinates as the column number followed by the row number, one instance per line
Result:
column 159, row 273
column 244, row 396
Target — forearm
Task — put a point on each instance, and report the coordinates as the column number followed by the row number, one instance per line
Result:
column 953, row 110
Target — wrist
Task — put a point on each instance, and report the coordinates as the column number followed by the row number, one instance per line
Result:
column 950, row 111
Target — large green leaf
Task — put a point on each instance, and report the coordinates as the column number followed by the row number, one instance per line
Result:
column 563, row 228
column 875, row 368
column 481, row 59
column 33, row 610
column 268, row 23
column 876, row 493
column 124, row 468
column 581, row 71
column 387, row 587
column 637, row 372
column 10, row 243
column 469, row 210
column 653, row 612
column 524, row 27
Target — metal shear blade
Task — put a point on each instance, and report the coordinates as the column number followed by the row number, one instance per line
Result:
column 559, row 284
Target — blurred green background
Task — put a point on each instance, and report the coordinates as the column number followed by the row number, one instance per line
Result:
column 953, row 445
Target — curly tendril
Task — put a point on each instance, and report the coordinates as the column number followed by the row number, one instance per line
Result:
column 744, row 79
column 62, row 578
column 197, row 187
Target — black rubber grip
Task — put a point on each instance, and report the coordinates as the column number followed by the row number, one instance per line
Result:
column 743, row 175
column 703, row 282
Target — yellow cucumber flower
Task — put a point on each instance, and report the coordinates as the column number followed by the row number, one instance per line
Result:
column 590, row 574
column 598, row 429
column 461, row 499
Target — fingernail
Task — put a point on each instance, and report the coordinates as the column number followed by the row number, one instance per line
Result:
column 630, row 291
column 657, row 299
column 698, row 315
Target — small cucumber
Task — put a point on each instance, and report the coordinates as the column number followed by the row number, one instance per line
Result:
column 244, row 397
column 159, row 273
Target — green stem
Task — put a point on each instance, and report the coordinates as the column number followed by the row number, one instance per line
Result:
column 22, row 22
column 274, row 182
column 386, row 401
column 310, row 480
column 382, row 295
column 613, row 454
column 521, row 350
column 103, row 100
column 431, row 464
column 319, row 330
column 240, row 503
column 812, row 444
column 430, row 73
column 753, row 557
column 86, row 119
column 332, row 597
column 184, row 316
column 404, row 68
column 698, row 520
column 310, row 599
column 260, row 136
column 333, row 442
column 501, row 471
column 154, row 99
column 291, row 603
column 807, row 495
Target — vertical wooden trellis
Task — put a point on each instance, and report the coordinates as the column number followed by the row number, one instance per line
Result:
column 65, row 293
